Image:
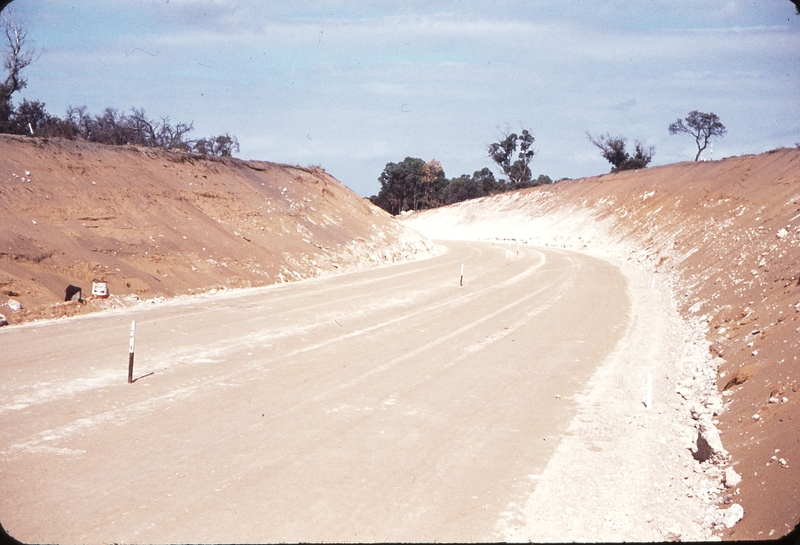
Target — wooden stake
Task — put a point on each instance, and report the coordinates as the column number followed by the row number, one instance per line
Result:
column 461, row 282
column 130, row 355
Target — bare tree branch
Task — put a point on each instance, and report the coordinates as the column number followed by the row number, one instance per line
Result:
column 15, row 58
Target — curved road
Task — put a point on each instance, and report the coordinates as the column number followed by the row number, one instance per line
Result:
column 388, row 404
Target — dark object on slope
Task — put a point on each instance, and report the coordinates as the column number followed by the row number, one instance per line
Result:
column 73, row 293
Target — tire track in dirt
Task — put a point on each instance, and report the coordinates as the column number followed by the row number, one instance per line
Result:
column 417, row 419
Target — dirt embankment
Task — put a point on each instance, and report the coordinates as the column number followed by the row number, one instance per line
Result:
column 154, row 223
column 725, row 236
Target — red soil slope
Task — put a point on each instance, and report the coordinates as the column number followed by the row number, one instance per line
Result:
column 726, row 236
column 157, row 223
column 730, row 230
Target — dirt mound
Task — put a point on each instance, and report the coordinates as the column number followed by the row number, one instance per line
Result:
column 725, row 235
column 154, row 223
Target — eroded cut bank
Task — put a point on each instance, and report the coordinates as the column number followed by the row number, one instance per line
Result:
column 724, row 238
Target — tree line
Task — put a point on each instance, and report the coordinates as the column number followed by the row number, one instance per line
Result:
column 111, row 127
column 414, row 184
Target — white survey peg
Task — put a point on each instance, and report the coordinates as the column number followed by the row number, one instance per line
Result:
column 130, row 354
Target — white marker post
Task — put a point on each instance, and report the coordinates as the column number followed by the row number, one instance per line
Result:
column 649, row 401
column 461, row 282
column 130, row 355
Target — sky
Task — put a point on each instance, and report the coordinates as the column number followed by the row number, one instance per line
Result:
column 351, row 86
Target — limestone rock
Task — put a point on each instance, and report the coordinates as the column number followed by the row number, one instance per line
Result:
column 709, row 444
column 714, row 405
column 14, row 305
column 730, row 516
column 3, row 320
column 673, row 532
column 732, row 479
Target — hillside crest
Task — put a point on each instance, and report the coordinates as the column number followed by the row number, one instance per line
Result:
column 156, row 223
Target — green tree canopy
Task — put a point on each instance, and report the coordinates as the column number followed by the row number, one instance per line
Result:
column 411, row 184
column 702, row 126
column 613, row 150
column 513, row 154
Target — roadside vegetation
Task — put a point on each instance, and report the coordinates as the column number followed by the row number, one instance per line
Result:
column 412, row 184
column 613, row 150
column 111, row 127
column 702, row 126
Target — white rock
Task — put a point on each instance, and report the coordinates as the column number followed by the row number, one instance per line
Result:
column 715, row 406
column 756, row 416
column 709, row 444
column 673, row 532
column 732, row 515
column 3, row 320
column 785, row 400
column 774, row 400
column 14, row 305
column 782, row 233
column 732, row 478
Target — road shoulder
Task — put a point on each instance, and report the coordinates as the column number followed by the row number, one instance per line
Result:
column 623, row 471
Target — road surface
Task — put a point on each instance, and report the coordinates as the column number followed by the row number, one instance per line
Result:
column 389, row 404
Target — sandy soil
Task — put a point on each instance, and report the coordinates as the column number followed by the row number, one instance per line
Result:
column 725, row 238
column 154, row 223
column 391, row 404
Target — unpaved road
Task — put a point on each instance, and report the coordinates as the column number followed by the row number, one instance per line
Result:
column 389, row 404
